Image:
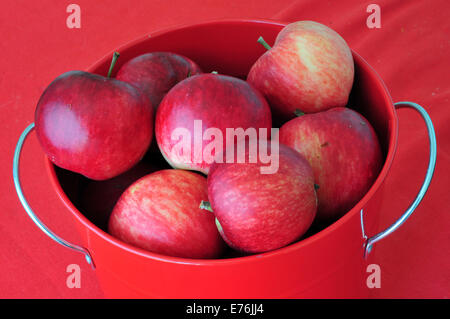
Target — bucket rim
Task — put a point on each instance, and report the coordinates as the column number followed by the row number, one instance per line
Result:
column 391, row 149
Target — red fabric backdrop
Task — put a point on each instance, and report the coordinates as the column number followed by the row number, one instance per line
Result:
column 410, row 51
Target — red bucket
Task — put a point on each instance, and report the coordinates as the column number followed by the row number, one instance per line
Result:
column 327, row 264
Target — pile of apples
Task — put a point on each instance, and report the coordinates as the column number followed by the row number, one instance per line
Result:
column 328, row 157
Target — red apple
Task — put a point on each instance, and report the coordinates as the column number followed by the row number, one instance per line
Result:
column 160, row 213
column 310, row 68
column 259, row 212
column 157, row 72
column 97, row 198
column 195, row 117
column 93, row 125
column 344, row 152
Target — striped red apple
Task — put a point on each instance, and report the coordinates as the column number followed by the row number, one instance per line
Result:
column 344, row 152
column 160, row 213
column 259, row 212
column 310, row 67
column 194, row 118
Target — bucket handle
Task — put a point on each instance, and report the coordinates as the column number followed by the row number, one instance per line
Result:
column 430, row 170
column 27, row 207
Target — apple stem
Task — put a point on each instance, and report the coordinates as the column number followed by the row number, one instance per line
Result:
column 264, row 43
column 206, row 206
column 316, row 187
column 214, row 72
column 298, row 112
column 113, row 63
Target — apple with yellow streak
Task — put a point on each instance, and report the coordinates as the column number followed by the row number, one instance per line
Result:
column 310, row 68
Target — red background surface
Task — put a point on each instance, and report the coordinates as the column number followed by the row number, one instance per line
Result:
column 410, row 51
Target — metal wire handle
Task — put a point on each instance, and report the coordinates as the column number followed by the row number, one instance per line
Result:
column 430, row 170
column 27, row 207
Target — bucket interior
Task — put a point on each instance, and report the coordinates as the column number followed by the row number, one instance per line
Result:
column 228, row 48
